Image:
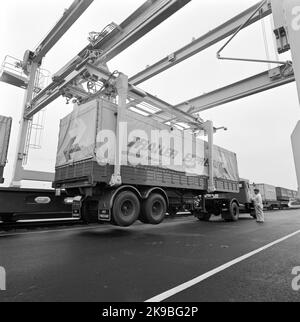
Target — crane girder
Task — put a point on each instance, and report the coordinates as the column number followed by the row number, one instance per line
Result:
column 144, row 19
column 198, row 45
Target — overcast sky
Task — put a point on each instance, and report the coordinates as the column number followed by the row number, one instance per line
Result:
column 259, row 127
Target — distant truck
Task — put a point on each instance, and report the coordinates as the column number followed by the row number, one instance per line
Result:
column 269, row 195
column 5, row 129
column 242, row 202
column 275, row 197
column 87, row 167
column 284, row 194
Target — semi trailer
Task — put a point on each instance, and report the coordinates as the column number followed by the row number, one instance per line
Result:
column 137, row 168
column 16, row 203
column 284, row 194
column 275, row 197
column 33, row 204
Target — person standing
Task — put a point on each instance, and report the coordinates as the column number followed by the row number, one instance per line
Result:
column 259, row 207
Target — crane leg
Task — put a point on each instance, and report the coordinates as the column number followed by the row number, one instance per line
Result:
column 292, row 12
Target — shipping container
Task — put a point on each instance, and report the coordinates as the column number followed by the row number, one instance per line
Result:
column 269, row 195
column 83, row 152
column 268, row 192
column 295, row 194
column 284, row 194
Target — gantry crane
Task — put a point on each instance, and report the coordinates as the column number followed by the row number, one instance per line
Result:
column 86, row 76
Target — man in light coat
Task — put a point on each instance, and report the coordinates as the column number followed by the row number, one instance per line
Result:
column 259, row 207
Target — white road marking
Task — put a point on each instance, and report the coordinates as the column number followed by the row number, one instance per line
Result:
column 178, row 289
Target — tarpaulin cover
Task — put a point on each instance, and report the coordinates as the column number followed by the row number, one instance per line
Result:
column 88, row 133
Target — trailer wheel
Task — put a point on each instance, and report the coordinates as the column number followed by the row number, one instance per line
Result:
column 154, row 210
column 126, row 209
column 233, row 214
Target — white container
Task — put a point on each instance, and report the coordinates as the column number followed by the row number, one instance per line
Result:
column 267, row 191
column 82, row 137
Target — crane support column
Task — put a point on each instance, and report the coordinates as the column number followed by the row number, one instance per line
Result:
column 24, row 126
column 209, row 128
column 292, row 12
column 122, row 88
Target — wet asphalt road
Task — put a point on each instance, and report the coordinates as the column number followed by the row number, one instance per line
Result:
column 108, row 264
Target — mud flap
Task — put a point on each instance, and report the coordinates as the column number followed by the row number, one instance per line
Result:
column 77, row 207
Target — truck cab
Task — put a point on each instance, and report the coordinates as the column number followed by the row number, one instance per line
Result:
column 244, row 196
column 229, row 205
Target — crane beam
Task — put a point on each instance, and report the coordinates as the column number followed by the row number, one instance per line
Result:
column 69, row 17
column 211, row 38
column 144, row 19
column 256, row 84
column 291, row 11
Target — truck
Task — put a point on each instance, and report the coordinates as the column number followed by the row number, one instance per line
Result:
column 273, row 198
column 240, row 202
column 137, row 169
column 284, row 196
column 5, row 129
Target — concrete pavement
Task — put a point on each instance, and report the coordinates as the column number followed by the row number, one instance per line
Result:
column 104, row 263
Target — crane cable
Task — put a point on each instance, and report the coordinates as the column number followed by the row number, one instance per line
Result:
column 266, row 44
column 257, row 10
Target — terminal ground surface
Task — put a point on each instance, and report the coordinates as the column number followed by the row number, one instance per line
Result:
column 108, row 264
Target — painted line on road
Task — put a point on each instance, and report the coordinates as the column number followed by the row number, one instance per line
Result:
column 178, row 289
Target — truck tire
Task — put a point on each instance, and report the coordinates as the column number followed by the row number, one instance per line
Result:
column 154, row 209
column 233, row 214
column 126, row 209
